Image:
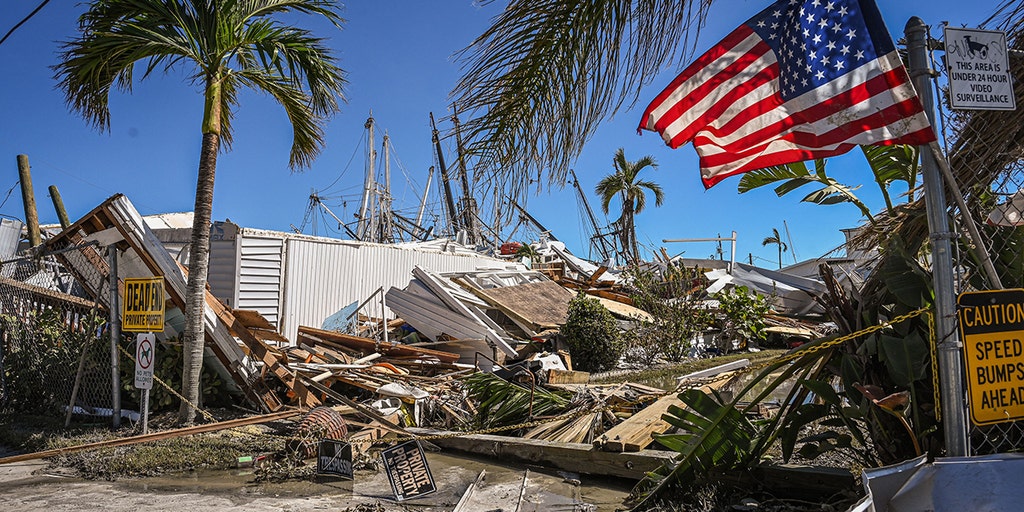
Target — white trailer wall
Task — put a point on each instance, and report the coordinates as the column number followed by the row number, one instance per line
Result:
column 295, row 280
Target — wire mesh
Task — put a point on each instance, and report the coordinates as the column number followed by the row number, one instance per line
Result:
column 54, row 344
column 985, row 150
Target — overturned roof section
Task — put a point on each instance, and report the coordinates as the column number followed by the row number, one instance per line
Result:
column 793, row 295
column 117, row 224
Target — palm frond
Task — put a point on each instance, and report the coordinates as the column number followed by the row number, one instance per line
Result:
column 537, row 83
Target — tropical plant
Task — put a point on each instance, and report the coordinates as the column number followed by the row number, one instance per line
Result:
column 526, row 250
column 743, row 313
column 796, row 175
column 225, row 46
column 506, row 403
column 591, row 334
column 631, row 191
column 777, row 240
column 674, row 300
column 888, row 164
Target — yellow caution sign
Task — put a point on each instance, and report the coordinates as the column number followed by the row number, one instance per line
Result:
column 992, row 329
column 143, row 305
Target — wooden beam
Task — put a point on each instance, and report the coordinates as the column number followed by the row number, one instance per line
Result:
column 156, row 436
column 574, row 457
column 636, row 432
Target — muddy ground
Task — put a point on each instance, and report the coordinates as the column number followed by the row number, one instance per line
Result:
column 36, row 486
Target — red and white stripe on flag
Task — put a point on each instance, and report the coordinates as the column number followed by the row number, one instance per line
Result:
column 838, row 89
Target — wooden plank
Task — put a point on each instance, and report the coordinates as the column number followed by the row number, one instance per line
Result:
column 156, row 436
column 463, row 504
column 574, row 457
column 636, row 432
column 368, row 345
column 556, row 376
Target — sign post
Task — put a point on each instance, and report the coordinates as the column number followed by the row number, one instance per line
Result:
column 992, row 328
column 143, row 312
column 979, row 70
column 145, row 357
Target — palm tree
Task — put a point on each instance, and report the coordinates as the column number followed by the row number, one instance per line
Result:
column 625, row 184
column 542, row 78
column 777, row 240
column 225, row 45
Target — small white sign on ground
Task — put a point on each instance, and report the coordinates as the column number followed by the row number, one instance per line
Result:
column 979, row 70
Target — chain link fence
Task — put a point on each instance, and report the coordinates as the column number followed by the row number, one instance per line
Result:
column 985, row 149
column 54, row 343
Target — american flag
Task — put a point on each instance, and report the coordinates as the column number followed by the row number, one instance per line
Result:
column 803, row 79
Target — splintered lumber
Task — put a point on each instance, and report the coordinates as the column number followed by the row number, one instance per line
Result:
column 156, row 436
column 573, row 457
column 332, row 338
column 636, row 432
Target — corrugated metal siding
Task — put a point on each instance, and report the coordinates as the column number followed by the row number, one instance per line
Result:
column 259, row 275
column 324, row 276
column 223, row 273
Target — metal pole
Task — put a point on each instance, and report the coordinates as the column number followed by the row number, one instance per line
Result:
column 145, row 411
column 951, row 386
column 115, row 336
column 732, row 257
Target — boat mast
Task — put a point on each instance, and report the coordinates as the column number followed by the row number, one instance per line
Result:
column 385, row 200
column 597, row 241
column 468, row 202
column 453, row 219
column 369, row 184
column 423, row 202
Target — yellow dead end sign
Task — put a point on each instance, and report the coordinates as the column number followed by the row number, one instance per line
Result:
column 143, row 305
column 992, row 328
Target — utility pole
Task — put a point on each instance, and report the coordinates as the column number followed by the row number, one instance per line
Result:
column 58, row 204
column 951, row 386
column 28, row 199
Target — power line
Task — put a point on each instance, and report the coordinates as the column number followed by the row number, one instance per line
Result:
column 22, row 22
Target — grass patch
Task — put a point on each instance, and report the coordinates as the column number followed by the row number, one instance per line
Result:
column 212, row 450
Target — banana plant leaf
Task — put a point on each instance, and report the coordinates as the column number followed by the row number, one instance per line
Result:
column 713, row 434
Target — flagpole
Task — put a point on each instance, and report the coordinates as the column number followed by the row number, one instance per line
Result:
column 951, row 387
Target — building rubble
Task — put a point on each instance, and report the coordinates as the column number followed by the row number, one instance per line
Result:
column 414, row 358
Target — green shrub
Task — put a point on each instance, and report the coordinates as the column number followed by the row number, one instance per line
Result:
column 592, row 335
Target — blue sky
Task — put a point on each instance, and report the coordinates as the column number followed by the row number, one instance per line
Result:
column 399, row 58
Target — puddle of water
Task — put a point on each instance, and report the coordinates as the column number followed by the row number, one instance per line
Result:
column 453, row 474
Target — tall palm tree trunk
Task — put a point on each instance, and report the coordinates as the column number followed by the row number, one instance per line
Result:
column 198, row 266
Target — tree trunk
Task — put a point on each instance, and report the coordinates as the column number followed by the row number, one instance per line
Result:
column 198, row 265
